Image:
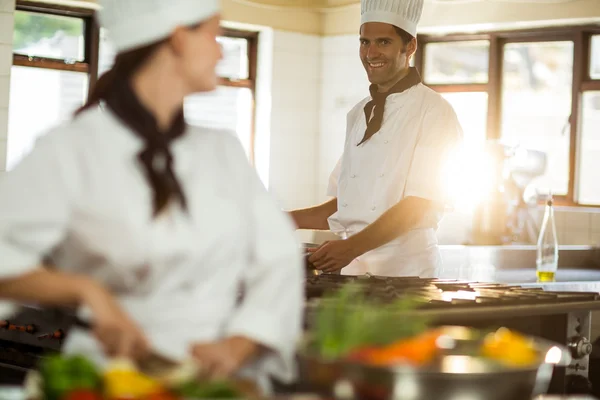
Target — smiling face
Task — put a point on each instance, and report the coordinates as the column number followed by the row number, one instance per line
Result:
column 384, row 54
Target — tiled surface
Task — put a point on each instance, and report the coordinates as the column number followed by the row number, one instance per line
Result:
column 7, row 8
column 295, row 113
column 343, row 84
column 6, row 26
column 5, row 59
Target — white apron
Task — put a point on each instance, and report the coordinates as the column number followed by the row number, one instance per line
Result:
column 407, row 157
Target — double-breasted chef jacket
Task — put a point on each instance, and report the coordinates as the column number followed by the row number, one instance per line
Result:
column 81, row 197
column 406, row 157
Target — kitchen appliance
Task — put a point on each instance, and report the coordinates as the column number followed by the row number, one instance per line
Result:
column 509, row 213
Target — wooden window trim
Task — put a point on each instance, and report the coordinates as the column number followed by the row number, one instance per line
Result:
column 91, row 34
column 55, row 9
column 459, row 87
column 250, row 83
column 49, row 63
column 579, row 35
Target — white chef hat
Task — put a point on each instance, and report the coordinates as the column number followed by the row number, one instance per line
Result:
column 405, row 14
column 136, row 23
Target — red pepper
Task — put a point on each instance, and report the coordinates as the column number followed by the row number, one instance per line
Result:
column 83, row 394
column 161, row 396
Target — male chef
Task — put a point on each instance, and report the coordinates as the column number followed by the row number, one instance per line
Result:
column 388, row 186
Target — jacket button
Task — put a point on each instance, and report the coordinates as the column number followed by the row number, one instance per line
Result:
column 373, row 208
column 381, row 175
column 386, row 142
column 353, row 176
column 345, row 205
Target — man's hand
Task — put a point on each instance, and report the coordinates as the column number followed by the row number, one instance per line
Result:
column 332, row 256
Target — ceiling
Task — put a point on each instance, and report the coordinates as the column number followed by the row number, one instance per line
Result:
column 315, row 4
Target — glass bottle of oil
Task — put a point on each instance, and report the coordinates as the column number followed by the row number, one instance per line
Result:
column 547, row 246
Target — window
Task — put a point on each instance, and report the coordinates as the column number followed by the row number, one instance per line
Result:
column 537, row 81
column 595, row 57
column 537, row 89
column 471, row 110
column 51, row 71
column 589, row 163
column 457, row 62
column 459, row 71
column 231, row 106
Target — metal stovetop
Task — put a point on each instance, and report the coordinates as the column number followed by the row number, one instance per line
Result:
column 446, row 299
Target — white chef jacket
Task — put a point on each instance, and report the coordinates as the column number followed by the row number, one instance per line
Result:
column 407, row 157
column 82, row 197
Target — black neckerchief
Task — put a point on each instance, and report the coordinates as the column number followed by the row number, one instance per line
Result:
column 155, row 157
column 378, row 102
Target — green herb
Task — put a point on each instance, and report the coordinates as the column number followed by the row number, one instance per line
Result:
column 208, row 390
column 64, row 374
column 347, row 320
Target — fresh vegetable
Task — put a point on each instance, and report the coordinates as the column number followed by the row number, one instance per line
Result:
column 347, row 320
column 509, row 348
column 83, row 394
column 208, row 390
column 162, row 396
column 123, row 380
column 76, row 378
column 417, row 351
column 63, row 375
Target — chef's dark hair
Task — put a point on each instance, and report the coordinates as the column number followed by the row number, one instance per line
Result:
column 405, row 36
column 126, row 63
column 114, row 88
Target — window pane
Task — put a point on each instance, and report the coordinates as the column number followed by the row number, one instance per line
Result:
column 51, row 36
column 471, row 109
column 39, row 99
column 457, row 62
column 595, row 57
column 226, row 108
column 234, row 64
column 589, row 161
column 536, row 104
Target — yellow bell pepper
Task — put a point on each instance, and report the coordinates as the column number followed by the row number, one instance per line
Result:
column 123, row 381
column 509, row 348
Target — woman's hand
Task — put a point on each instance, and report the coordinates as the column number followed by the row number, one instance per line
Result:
column 225, row 357
column 119, row 335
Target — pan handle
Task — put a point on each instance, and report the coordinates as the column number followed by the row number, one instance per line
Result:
column 556, row 354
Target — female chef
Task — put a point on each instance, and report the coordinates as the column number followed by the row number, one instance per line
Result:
column 154, row 226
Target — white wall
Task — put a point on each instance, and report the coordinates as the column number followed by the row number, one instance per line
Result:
column 7, row 8
column 295, row 106
column 344, row 83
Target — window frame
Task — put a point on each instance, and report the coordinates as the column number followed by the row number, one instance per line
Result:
column 249, row 83
column 90, row 63
column 580, row 35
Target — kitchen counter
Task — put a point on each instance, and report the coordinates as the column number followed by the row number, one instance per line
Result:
column 567, row 280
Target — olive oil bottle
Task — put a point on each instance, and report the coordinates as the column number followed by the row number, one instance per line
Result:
column 547, row 246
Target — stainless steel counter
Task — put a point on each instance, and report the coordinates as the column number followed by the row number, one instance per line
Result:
column 578, row 265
